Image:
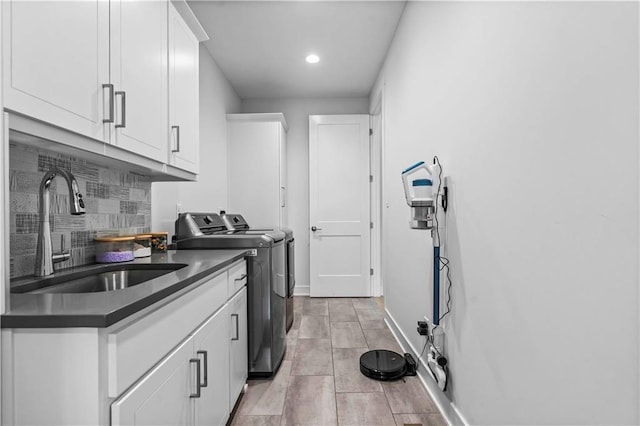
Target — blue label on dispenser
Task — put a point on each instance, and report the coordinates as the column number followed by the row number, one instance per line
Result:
column 422, row 182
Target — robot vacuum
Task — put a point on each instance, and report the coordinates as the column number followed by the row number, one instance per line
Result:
column 381, row 364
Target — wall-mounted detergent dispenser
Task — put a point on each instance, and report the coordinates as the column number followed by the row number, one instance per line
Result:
column 419, row 195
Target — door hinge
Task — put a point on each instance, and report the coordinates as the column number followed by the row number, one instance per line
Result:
column 370, row 225
column 371, row 271
column 370, row 132
column 370, row 178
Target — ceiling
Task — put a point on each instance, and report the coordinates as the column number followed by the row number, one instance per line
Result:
column 261, row 45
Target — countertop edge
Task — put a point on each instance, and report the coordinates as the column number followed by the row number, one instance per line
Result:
column 107, row 319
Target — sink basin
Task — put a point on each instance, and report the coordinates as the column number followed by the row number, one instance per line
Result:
column 100, row 279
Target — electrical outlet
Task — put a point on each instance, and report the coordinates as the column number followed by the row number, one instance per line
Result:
column 423, row 328
column 178, row 209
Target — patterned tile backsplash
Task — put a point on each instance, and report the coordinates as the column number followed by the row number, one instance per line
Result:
column 117, row 203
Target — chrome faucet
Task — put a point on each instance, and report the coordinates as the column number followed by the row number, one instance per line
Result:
column 45, row 257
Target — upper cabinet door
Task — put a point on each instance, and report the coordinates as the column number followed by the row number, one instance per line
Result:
column 55, row 61
column 254, row 161
column 139, row 75
column 183, row 94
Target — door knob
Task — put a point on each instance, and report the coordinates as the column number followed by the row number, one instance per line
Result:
column 314, row 229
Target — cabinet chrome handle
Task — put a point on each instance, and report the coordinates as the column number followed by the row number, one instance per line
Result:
column 196, row 361
column 315, row 228
column 110, row 87
column 240, row 278
column 237, row 327
column 206, row 369
column 177, row 138
column 123, row 121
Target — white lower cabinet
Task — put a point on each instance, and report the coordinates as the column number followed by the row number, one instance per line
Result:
column 163, row 397
column 188, row 387
column 183, row 363
column 211, row 404
column 238, row 349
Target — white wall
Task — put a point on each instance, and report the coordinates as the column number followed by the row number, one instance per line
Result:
column 533, row 111
column 209, row 192
column 296, row 112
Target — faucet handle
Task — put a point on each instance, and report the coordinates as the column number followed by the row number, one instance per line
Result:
column 62, row 255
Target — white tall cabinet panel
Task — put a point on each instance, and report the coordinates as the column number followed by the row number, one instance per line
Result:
column 284, row 201
column 139, row 49
column 55, row 61
column 257, row 168
column 183, row 94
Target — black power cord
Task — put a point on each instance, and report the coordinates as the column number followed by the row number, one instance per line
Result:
column 444, row 261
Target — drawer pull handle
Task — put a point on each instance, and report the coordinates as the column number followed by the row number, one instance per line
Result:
column 206, row 369
column 241, row 277
column 237, row 327
column 110, row 87
column 123, row 115
column 196, row 361
column 177, row 129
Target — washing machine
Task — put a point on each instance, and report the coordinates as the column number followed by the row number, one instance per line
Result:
column 266, row 282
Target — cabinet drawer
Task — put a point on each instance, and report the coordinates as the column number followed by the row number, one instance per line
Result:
column 237, row 276
column 135, row 348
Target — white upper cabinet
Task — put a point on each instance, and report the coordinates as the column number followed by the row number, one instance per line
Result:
column 183, row 94
column 257, row 168
column 121, row 72
column 55, row 62
column 139, row 75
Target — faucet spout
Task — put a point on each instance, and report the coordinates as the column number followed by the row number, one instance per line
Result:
column 45, row 258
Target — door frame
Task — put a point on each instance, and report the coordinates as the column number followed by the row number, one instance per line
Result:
column 376, row 143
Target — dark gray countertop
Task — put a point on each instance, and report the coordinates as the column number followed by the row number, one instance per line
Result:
column 107, row 308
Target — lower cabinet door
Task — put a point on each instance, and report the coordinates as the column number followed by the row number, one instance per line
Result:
column 238, row 350
column 163, row 396
column 212, row 347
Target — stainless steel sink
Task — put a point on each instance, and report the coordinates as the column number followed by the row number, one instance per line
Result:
column 99, row 279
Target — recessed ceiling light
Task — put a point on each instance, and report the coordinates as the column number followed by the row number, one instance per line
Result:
column 312, row 59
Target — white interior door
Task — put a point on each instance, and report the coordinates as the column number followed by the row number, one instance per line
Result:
column 339, row 205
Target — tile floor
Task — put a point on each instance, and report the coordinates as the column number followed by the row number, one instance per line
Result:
column 319, row 381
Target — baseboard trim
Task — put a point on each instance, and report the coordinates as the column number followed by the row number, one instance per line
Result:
column 301, row 290
column 448, row 410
